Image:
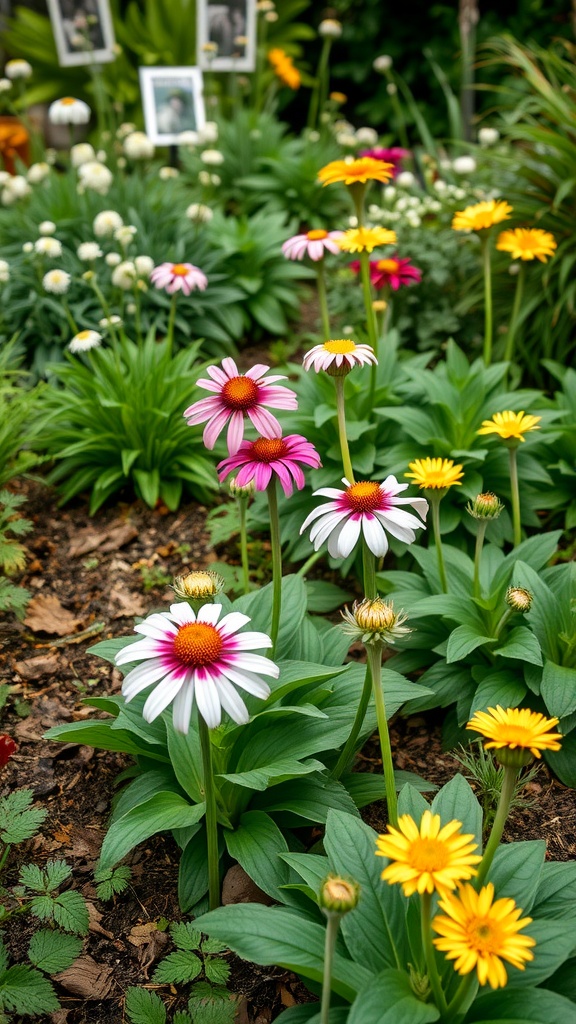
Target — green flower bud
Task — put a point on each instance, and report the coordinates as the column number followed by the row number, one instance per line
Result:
column 519, row 599
column 338, row 895
column 485, row 506
column 198, row 586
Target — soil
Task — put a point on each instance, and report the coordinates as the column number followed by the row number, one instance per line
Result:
column 87, row 578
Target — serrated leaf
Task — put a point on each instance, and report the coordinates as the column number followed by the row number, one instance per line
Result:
column 56, row 872
column 185, row 935
column 33, row 878
column 27, row 992
column 71, row 912
column 144, row 1007
column 53, row 951
column 19, row 821
column 180, row 966
column 213, row 946
column 217, row 971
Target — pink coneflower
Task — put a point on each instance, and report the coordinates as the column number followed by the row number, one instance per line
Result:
column 194, row 656
column 365, row 507
column 239, row 395
column 392, row 270
column 341, row 352
column 313, row 244
column 395, row 155
column 258, row 460
column 179, row 277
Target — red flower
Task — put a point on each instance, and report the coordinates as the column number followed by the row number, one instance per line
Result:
column 395, row 155
column 7, row 748
column 392, row 270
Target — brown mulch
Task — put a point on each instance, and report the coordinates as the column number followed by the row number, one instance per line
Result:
column 86, row 576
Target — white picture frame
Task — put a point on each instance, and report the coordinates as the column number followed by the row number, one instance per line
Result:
column 173, row 102
column 83, row 32
column 222, row 22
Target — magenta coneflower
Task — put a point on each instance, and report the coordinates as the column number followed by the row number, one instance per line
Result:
column 191, row 657
column 258, row 460
column 239, row 395
column 395, row 155
column 179, row 277
column 365, row 507
column 313, row 243
column 391, row 271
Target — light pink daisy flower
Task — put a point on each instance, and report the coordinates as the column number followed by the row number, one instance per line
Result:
column 179, row 277
column 338, row 353
column 313, row 244
column 258, row 460
column 365, row 507
column 191, row 656
column 239, row 395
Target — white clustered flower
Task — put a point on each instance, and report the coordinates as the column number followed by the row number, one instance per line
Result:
column 4, row 177
column 346, row 139
column 84, row 341
column 389, row 193
column 125, row 234
column 144, row 265
column 124, row 276
column 488, row 136
column 440, row 185
column 4, row 272
column 15, row 188
column 138, row 146
column 47, row 227
column 213, row 157
column 47, row 246
column 271, row 16
column 5, row 84
column 37, row 172
column 28, row 247
column 101, row 156
column 204, row 177
column 209, row 133
column 127, row 128
column 113, row 259
column 88, row 251
column 18, row 69
column 459, row 193
column 405, row 179
column 106, row 223
column 165, row 173
column 56, row 281
column 464, row 165
column 131, row 308
column 82, row 153
column 367, row 136
column 215, row 179
column 330, row 29
column 199, row 212
column 111, row 321
column 121, row 163
column 69, row 111
column 382, row 63
column 391, row 88
column 95, row 176
column 188, row 139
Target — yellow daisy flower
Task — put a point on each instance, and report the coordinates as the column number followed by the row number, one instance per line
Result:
column 510, row 425
column 481, row 215
column 527, row 244
column 355, row 172
column 365, row 239
column 516, row 729
column 480, row 933
column 427, row 858
column 435, row 474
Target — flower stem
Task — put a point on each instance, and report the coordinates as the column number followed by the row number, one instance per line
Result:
column 276, row 561
column 323, row 299
column 341, row 411
column 487, row 302
column 69, row 316
column 350, row 746
column 502, row 811
column 369, row 572
column 435, row 502
column 211, row 819
column 367, row 292
column 478, row 556
column 513, row 328
column 431, row 968
column 332, row 926
column 242, row 505
column 5, row 855
column 171, row 321
column 318, row 97
column 314, row 557
column 374, row 655
column 515, row 493
column 465, row 993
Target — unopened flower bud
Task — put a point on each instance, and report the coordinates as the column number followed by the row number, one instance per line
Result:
column 519, row 599
column 338, row 895
column 241, row 492
column 330, row 29
column 485, row 506
column 379, row 305
column 199, row 586
column 88, row 275
column 374, row 621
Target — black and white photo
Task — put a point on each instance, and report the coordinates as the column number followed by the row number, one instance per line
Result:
column 227, row 35
column 173, row 103
column 83, row 31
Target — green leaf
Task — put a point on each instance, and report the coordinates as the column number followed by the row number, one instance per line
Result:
column 558, row 689
column 211, row 1005
column 522, row 644
column 366, row 787
column 25, row 991
column 159, row 814
column 389, row 999
column 534, row 1006
column 563, row 761
column 53, row 951
column 180, row 966
column 33, row 878
column 310, row 798
column 256, row 844
column 71, row 912
column 411, row 802
column 185, row 935
column 19, row 821
column 556, row 896
column 144, row 1007
column 56, row 871
column 217, row 971
column 285, row 768
column 193, row 871
column 504, row 688
column 463, row 640
column 325, row 597
column 554, row 944
column 516, row 869
column 456, row 800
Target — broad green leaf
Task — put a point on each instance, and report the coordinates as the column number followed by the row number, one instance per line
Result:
column 516, row 869
column 52, row 951
column 558, row 689
column 563, row 761
column 389, row 999
column 556, row 895
column 463, row 640
column 143, row 1007
column 23, row 990
column 312, row 867
column 504, row 688
column 554, row 944
column 159, row 814
column 532, row 1006
column 180, row 966
column 261, row 778
column 310, row 798
column 193, row 871
column 456, row 800
column 521, row 643
column 71, row 912
column 366, row 787
column 256, row 844
column 411, row 801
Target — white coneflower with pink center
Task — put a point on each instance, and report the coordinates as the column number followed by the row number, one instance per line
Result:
column 260, row 460
column 179, row 277
column 188, row 656
column 313, row 243
column 368, row 508
column 237, row 396
column 337, row 354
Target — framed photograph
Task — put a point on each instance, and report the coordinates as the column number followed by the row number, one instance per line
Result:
column 83, row 31
column 226, row 35
column 173, row 102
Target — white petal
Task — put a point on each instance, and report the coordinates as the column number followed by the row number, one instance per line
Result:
column 347, row 537
column 209, row 613
column 182, row 707
column 253, row 663
column 322, row 510
column 398, row 530
column 158, row 626
column 207, row 699
column 232, row 702
column 162, row 695
column 392, row 485
column 420, row 505
column 141, row 677
column 147, row 648
column 248, row 641
column 322, row 530
column 248, row 681
column 330, row 492
column 182, row 613
column 375, row 536
column 232, row 622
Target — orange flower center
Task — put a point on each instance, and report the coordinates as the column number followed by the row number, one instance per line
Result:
column 67, row 101
column 240, row 393
column 180, row 269
column 197, row 644
column 429, row 855
column 484, row 935
column 267, row 449
column 388, row 266
column 365, row 496
column 316, row 235
column 340, row 346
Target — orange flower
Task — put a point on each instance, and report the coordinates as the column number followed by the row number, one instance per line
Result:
column 355, row 172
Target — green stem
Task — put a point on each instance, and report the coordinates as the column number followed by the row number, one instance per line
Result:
column 502, row 622
column 105, row 309
column 69, row 316
column 431, row 968
column 374, row 656
column 506, row 794
column 276, row 561
column 314, row 557
column 319, row 84
column 465, row 993
column 5, row 855
column 478, row 556
column 242, row 505
column 487, row 301
column 513, row 328
column 435, row 503
column 515, row 493
column 349, row 747
column 401, row 123
column 369, row 570
column 171, row 321
column 332, row 926
column 341, row 411
column 367, row 292
column 323, row 299
column 211, row 819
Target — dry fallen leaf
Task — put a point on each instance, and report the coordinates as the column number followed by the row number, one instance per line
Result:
column 88, row 979
column 34, row 668
column 125, row 604
column 46, row 615
column 95, row 917
column 116, row 536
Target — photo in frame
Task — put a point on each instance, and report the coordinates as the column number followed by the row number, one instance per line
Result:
column 173, row 102
column 83, row 31
column 229, row 29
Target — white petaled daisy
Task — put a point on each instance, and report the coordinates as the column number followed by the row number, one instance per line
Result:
column 69, row 111
column 125, row 234
column 196, row 657
column 56, row 281
column 111, row 321
column 165, row 173
column 82, row 153
column 368, row 508
column 124, row 275
column 144, row 265
column 15, row 188
column 4, row 272
column 209, row 133
column 199, row 212
column 84, row 341
column 46, row 246
column 5, row 85
column 47, row 227
column 37, row 172
column 106, row 223
column 188, row 138
column 342, row 353
column 95, row 176
column 18, row 68
column 212, row 157
column 113, row 259
column 88, row 251
column 138, row 146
